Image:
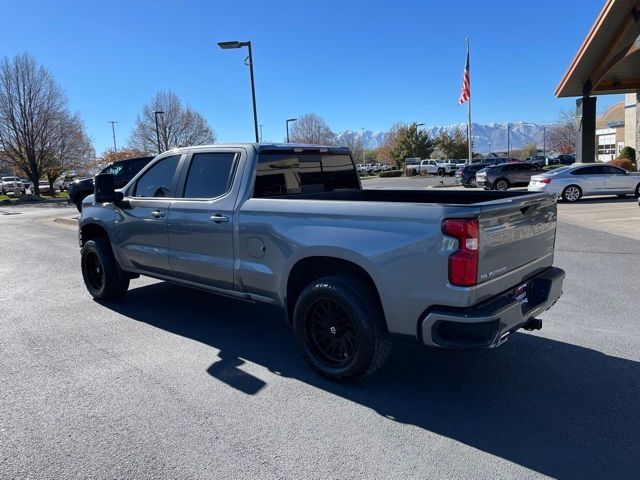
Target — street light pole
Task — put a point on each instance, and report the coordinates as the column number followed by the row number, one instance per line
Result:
column 260, row 131
column 287, row 122
column 236, row 44
column 155, row 114
column 508, row 140
column 113, row 130
column 362, row 145
column 544, row 141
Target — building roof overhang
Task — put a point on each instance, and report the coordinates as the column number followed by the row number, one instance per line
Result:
column 609, row 59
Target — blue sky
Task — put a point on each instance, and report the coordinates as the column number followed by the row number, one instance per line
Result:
column 357, row 64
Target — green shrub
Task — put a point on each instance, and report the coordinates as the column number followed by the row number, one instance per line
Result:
column 391, row 173
column 629, row 153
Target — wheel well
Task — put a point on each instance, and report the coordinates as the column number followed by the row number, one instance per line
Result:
column 309, row 269
column 92, row 231
column 572, row 185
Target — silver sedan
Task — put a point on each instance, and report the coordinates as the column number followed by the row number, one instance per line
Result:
column 582, row 179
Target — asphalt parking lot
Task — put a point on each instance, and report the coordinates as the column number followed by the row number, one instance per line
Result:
column 176, row 383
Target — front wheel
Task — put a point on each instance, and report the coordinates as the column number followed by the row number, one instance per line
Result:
column 340, row 328
column 102, row 275
column 440, row 172
column 502, row 184
column 572, row 193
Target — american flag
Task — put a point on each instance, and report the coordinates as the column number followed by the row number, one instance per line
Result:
column 466, row 83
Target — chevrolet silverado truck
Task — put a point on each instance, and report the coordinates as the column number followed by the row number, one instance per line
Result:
column 290, row 225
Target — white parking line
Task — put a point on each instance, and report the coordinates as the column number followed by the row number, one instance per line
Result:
column 617, row 219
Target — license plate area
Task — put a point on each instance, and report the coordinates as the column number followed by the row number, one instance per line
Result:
column 521, row 295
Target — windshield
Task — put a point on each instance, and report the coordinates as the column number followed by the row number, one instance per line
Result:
column 113, row 169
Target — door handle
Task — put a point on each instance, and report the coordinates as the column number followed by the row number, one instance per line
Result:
column 157, row 213
column 217, row 218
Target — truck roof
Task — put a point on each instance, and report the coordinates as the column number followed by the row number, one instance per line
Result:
column 272, row 147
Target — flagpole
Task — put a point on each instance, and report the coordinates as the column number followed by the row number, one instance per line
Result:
column 469, row 108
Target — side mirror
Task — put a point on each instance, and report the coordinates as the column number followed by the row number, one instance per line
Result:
column 104, row 189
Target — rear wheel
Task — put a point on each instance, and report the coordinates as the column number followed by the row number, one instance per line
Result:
column 502, row 184
column 340, row 328
column 472, row 182
column 102, row 275
column 572, row 193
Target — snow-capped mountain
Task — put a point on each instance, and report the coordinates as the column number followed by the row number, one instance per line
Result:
column 489, row 137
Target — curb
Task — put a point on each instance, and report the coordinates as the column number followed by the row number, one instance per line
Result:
column 443, row 186
column 66, row 221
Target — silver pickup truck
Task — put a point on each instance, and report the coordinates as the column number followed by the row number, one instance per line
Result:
column 290, row 225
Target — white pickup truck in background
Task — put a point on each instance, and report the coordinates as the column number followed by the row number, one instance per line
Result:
column 431, row 167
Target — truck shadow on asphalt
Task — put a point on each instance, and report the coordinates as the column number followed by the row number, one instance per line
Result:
column 559, row 409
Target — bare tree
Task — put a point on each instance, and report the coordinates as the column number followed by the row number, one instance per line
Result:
column 178, row 126
column 70, row 150
column 311, row 129
column 31, row 106
column 562, row 135
column 385, row 150
column 355, row 144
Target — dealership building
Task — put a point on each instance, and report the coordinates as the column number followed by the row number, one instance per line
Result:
column 607, row 62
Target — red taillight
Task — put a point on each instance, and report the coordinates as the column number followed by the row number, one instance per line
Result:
column 544, row 180
column 463, row 263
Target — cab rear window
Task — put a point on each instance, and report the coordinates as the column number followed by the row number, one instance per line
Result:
column 285, row 173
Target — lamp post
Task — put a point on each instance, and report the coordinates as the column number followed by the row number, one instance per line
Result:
column 260, row 131
column 113, row 129
column 287, row 122
column 362, row 145
column 236, row 44
column 544, row 141
column 508, row 140
column 155, row 114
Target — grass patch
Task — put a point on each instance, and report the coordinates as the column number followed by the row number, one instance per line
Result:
column 56, row 195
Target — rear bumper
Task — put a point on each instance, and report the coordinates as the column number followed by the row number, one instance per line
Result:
column 490, row 323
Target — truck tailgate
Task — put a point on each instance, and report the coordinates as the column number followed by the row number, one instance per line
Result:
column 516, row 234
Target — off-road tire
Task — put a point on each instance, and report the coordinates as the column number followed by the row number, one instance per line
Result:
column 102, row 276
column 368, row 326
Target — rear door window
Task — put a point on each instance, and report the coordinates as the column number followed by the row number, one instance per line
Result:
column 210, row 174
column 591, row 170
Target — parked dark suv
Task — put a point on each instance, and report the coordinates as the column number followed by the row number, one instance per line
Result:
column 502, row 177
column 466, row 175
column 123, row 171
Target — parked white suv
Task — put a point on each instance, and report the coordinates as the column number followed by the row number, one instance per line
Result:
column 9, row 184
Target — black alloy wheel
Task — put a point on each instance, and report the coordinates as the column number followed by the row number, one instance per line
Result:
column 331, row 333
